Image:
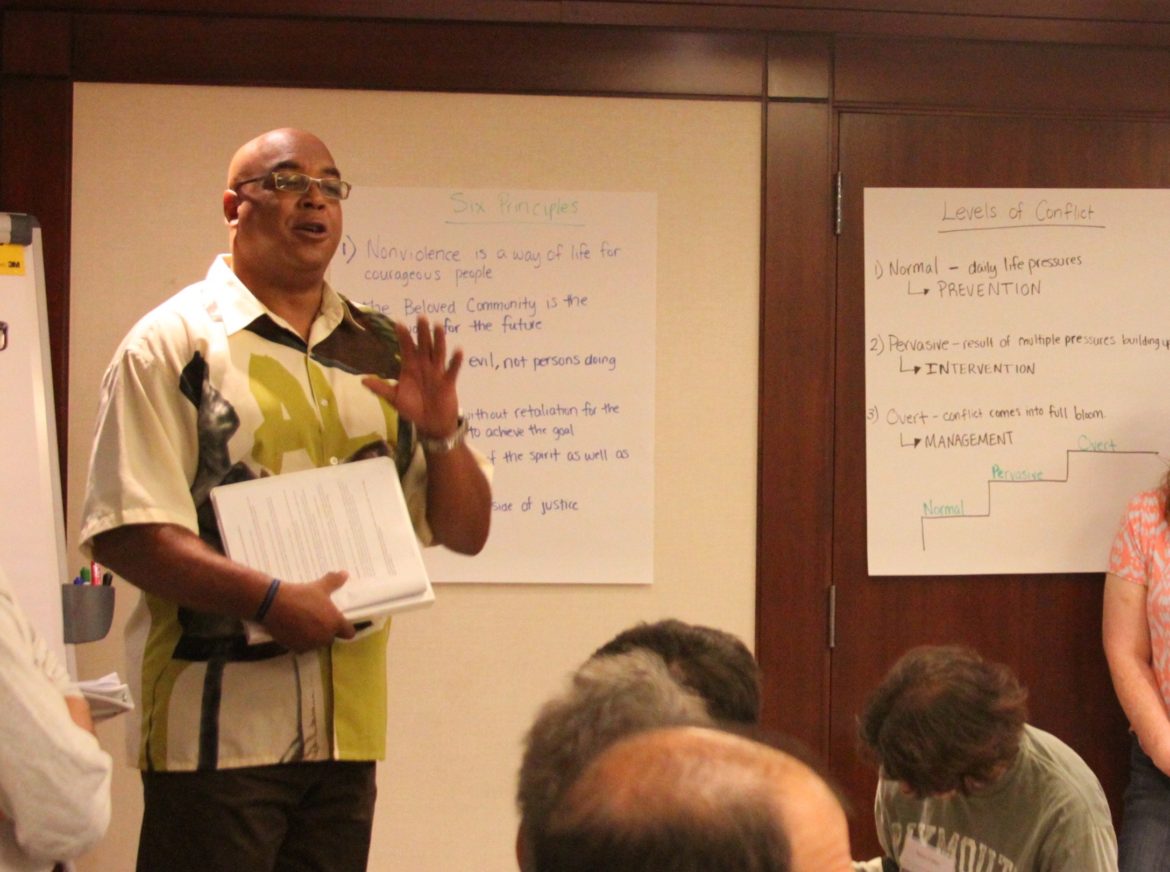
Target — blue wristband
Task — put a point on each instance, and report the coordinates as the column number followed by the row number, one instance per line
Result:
column 268, row 598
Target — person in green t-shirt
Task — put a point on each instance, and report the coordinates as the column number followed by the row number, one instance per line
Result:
column 965, row 783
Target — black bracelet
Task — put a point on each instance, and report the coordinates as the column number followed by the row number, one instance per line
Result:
column 268, row 598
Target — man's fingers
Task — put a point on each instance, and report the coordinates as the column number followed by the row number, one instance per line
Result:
column 456, row 362
column 384, row 389
column 440, row 350
column 405, row 340
column 334, row 580
column 424, row 337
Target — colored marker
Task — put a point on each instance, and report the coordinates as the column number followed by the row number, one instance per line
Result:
column 85, row 577
column 107, row 578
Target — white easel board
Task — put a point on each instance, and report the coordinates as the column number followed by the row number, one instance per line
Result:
column 32, row 526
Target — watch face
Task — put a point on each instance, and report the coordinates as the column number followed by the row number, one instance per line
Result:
column 430, row 443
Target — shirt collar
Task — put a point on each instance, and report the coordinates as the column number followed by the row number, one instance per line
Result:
column 236, row 307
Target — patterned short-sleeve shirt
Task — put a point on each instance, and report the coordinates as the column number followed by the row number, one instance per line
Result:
column 1141, row 554
column 212, row 388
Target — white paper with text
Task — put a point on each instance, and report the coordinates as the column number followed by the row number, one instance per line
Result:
column 300, row 525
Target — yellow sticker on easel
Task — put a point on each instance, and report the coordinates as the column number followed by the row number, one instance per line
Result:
column 11, row 259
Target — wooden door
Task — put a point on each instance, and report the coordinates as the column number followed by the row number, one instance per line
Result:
column 1046, row 627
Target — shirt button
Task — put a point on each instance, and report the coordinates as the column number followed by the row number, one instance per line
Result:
column 324, row 401
column 333, row 461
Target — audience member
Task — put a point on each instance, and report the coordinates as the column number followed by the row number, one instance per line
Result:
column 713, row 663
column 1135, row 631
column 966, row 783
column 607, row 698
column 54, row 778
column 695, row 799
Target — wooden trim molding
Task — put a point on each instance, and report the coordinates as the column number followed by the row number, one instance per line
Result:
column 36, row 142
column 415, row 55
column 794, row 531
column 1000, row 77
column 36, row 43
column 800, row 67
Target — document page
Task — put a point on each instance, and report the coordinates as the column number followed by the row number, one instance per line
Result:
column 107, row 696
column 353, row 517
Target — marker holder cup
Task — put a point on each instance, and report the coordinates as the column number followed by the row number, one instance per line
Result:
column 88, row 611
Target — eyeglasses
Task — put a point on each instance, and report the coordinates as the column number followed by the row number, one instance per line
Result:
column 297, row 183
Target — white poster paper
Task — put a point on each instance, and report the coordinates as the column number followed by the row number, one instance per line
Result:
column 1017, row 355
column 551, row 296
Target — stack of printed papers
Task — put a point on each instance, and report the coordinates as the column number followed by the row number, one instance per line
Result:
column 300, row 525
column 107, row 696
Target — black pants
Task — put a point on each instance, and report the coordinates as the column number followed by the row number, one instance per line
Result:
column 297, row 817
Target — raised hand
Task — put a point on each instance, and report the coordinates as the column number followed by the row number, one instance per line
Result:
column 425, row 392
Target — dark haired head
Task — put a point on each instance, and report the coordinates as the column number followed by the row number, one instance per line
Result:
column 944, row 719
column 713, row 663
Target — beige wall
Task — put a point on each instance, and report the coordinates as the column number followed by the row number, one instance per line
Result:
column 466, row 675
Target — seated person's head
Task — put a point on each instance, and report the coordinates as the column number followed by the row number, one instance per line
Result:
column 713, row 663
column 694, row 799
column 607, row 698
column 944, row 720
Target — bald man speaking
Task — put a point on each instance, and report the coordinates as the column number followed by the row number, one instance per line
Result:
column 262, row 756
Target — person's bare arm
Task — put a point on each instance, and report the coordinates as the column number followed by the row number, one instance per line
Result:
column 171, row 562
column 1125, row 632
column 79, row 710
column 54, row 776
column 459, row 500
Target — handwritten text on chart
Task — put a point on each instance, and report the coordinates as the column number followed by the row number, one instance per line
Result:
column 550, row 296
column 1008, row 331
column 516, row 435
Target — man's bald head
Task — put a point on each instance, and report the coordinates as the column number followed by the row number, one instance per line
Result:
column 606, row 699
column 281, row 240
column 257, row 155
column 695, row 798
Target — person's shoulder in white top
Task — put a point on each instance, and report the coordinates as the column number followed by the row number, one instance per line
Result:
column 54, row 777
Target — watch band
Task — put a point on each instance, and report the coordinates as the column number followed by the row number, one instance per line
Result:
column 434, row 445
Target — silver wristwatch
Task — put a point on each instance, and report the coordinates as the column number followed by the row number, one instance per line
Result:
column 433, row 445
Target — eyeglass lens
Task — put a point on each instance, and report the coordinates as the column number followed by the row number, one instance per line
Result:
column 298, row 183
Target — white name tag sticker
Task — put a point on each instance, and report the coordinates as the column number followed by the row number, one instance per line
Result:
column 920, row 857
